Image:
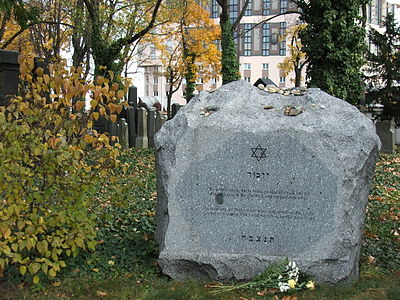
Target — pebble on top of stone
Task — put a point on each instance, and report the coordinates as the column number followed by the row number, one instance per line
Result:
column 296, row 91
column 271, row 89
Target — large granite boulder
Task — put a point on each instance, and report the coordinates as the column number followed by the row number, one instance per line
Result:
column 246, row 178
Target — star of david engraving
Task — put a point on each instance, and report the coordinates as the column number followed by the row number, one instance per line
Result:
column 258, row 152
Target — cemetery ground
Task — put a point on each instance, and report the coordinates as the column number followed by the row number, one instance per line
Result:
column 124, row 263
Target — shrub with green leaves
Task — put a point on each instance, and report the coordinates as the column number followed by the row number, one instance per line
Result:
column 46, row 180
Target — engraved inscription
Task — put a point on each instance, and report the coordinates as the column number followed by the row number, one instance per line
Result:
column 256, row 175
column 259, row 213
column 256, row 238
column 263, row 203
column 244, row 193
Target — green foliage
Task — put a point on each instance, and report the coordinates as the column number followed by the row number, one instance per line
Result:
column 230, row 62
column 124, row 222
column 384, row 68
column 46, row 182
column 21, row 13
column 190, row 74
column 135, row 277
column 381, row 242
column 334, row 44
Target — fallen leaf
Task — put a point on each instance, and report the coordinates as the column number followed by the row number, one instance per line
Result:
column 101, row 294
column 371, row 259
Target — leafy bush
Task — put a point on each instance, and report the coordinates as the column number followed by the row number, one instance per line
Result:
column 125, row 223
column 47, row 182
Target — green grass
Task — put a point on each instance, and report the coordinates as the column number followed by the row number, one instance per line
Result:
column 124, row 265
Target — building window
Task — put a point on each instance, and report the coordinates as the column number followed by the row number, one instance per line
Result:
column 282, row 79
column 246, row 66
column 155, row 80
column 265, row 66
column 282, row 44
column 283, row 6
column 155, row 93
column 214, row 9
column 153, row 53
column 247, row 79
column 233, row 10
column 265, row 39
column 378, row 12
column 369, row 13
column 248, row 11
column 247, row 40
column 199, row 80
column 214, row 80
column 266, row 7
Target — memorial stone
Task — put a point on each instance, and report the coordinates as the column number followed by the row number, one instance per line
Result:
column 151, row 126
column 113, row 130
column 123, row 135
column 141, row 137
column 175, row 108
column 131, row 113
column 158, row 121
column 244, row 182
column 386, row 132
column 9, row 75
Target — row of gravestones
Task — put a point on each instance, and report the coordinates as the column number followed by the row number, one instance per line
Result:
column 135, row 133
column 136, row 126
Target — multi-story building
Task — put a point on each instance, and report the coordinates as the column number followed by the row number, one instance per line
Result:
column 259, row 42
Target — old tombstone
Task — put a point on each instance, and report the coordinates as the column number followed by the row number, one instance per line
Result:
column 123, row 135
column 175, row 108
column 386, row 131
column 246, row 178
column 9, row 75
column 132, row 97
column 141, row 137
column 158, row 121
column 113, row 130
column 131, row 114
column 151, row 126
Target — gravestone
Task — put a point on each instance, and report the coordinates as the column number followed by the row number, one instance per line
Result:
column 158, row 121
column 151, row 126
column 9, row 75
column 113, row 130
column 246, row 178
column 123, row 135
column 131, row 114
column 141, row 136
column 175, row 107
column 386, row 132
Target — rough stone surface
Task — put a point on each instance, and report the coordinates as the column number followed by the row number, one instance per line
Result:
column 241, row 184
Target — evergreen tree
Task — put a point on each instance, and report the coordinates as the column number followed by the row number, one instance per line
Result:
column 334, row 44
column 383, row 71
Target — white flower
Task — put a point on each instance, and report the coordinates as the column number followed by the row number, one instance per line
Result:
column 280, row 277
column 283, row 286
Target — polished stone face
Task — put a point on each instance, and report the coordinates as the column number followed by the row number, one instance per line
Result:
column 246, row 178
column 257, row 194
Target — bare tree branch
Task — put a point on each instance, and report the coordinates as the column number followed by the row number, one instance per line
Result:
column 9, row 41
column 148, row 27
column 240, row 17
